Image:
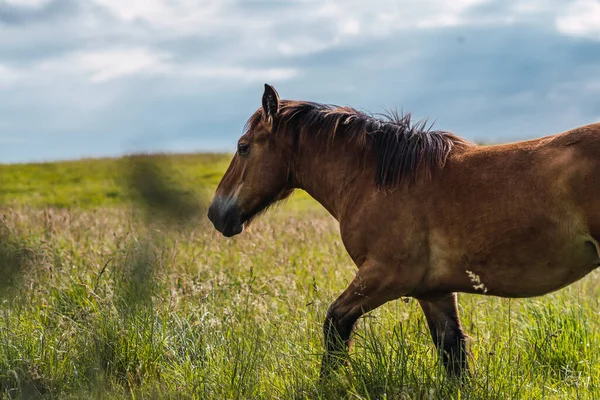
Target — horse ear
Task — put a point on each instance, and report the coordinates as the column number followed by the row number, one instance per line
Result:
column 270, row 103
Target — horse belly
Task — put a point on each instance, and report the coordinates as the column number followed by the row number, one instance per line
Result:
column 554, row 269
column 516, row 272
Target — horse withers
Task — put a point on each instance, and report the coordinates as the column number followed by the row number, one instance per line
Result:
column 422, row 213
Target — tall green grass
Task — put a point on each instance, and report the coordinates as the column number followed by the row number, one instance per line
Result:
column 100, row 301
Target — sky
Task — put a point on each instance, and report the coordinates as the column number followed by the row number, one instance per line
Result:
column 92, row 78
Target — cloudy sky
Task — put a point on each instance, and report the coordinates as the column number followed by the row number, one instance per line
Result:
column 82, row 78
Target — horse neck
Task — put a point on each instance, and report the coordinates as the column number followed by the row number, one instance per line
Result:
column 332, row 173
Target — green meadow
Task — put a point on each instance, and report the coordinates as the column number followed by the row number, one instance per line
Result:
column 113, row 285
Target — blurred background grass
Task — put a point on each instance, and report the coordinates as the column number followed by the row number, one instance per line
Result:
column 93, row 183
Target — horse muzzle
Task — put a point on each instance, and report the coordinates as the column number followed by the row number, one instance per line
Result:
column 226, row 216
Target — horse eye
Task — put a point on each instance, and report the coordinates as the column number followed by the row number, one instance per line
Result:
column 243, row 149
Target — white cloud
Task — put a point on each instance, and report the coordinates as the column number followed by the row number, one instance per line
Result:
column 27, row 3
column 239, row 73
column 338, row 19
column 103, row 66
column 107, row 65
column 349, row 27
column 136, row 9
column 313, row 26
column 249, row 33
column 581, row 18
column 295, row 27
column 179, row 17
column 530, row 6
column 9, row 76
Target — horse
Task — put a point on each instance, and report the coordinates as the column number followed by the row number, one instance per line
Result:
column 422, row 213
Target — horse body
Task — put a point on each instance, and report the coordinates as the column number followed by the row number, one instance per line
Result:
column 516, row 215
column 510, row 215
column 514, row 220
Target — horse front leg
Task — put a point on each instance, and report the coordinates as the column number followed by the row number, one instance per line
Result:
column 447, row 334
column 371, row 288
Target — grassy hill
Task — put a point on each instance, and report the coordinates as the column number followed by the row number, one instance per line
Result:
column 92, row 183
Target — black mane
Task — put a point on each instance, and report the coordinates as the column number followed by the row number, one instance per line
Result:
column 404, row 149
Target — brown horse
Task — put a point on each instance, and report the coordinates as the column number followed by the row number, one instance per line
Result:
column 422, row 213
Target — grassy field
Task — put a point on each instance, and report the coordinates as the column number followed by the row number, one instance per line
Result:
column 103, row 295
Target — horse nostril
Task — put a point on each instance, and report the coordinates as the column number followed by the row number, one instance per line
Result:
column 225, row 215
column 212, row 212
